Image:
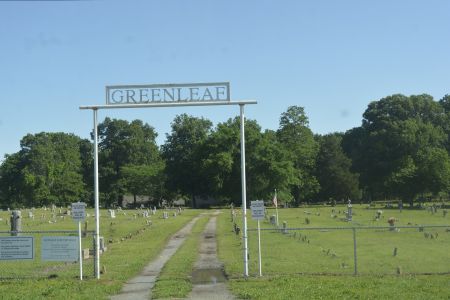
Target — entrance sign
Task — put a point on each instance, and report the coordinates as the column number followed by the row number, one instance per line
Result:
column 169, row 95
column 79, row 211
column 16, row 248
column 59, row 248
column 258, row 211
column 163, row 93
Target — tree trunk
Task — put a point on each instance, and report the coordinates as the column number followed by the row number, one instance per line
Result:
column 194, row 204
column 135, row 200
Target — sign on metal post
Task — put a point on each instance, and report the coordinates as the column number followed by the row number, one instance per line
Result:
column 258, row 210
column 79, row 211
column 258, row 213
column 79, row 215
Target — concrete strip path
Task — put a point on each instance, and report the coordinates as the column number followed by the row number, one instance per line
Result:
column 140, row 286
column 208, row 277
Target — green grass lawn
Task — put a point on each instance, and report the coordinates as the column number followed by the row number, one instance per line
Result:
column 290, row 260
column 123, row 260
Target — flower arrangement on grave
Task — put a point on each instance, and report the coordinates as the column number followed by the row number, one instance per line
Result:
column 391, row 221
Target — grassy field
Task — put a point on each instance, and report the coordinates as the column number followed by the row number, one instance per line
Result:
column 134, row 244
column 312, row 264
column 290, row 260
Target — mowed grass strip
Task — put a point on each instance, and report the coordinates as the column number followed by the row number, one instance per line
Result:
column 343, row 287
column 284, row 258
column 174, row 280
column 122, row 261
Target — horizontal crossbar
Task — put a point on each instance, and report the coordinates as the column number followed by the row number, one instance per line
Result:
column 169, row 104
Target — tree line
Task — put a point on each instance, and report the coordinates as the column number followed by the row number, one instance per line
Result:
column 400, row 151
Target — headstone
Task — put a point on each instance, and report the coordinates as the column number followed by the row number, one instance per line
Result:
column 112, row 213
column 69, row 212
column 102, row 244
column 285, row 227
column 16, row 222
column 273, row 220
column 349, row 210
column 86, row 253
column 378, row 215
column 165, row 215
column 30, row 215
column 391, row 222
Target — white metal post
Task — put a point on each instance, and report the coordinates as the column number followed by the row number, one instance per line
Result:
column 276, row 206
column 80, row 251
column 259, row 250
column 354, row 252
column 244, row 192
column 96, row 199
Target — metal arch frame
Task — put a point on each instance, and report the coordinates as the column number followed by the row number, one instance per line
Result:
column 241, row 104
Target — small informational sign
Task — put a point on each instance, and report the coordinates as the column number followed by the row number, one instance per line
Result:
column 79, row 211
column 59, row 248
column 258, row 211
column 16, row 248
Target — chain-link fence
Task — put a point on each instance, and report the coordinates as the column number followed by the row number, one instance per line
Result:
column 46, row 254
column 361, row 250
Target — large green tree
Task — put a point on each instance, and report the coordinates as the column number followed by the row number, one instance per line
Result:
column 296, row 137
column 267, row 163
column 47, row 170
column 400, row 139
column 333, row 170
column 128, row 156
column 11, row 181
column 182, row 154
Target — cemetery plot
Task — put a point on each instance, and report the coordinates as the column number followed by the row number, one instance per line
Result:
column 328, row 248
column 116, row 226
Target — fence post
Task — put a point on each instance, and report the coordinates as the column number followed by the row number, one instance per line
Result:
column 354, row 252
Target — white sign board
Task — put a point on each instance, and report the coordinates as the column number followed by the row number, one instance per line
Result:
column 59, row 248
column 16, row 248
column 167, row 93
column 258, row 211
column 79, row 211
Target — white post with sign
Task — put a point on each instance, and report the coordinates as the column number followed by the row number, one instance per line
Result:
column 258, row 213
column 79, row 215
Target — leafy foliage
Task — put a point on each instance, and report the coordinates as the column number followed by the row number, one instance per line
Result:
column 401, row 150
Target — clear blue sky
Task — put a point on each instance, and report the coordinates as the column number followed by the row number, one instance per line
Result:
column 331, row 57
